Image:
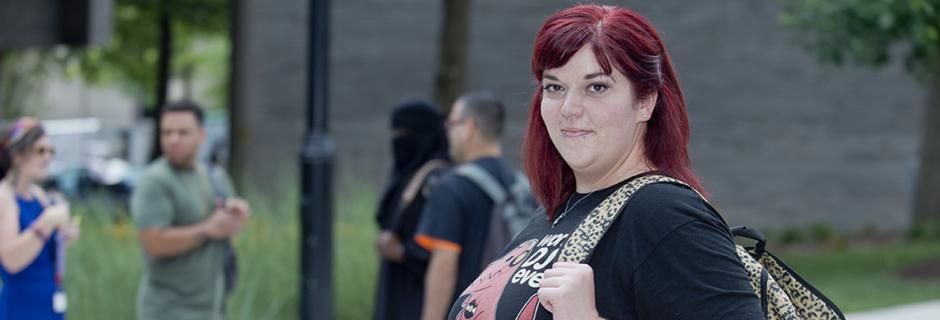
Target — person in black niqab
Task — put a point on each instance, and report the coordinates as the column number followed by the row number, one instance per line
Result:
column 419, row 148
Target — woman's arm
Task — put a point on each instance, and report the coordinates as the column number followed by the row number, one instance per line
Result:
column 19, row 249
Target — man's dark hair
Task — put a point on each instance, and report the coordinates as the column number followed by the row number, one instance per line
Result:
column 487, row 112
column 184, row 106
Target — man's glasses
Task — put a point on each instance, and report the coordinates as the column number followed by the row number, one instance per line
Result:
column 450, row 123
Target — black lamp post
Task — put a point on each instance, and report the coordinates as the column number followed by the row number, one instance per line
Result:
column 316, row 208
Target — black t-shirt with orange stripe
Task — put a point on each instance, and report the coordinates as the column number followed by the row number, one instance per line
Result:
column 457, row 216
column 667, row 256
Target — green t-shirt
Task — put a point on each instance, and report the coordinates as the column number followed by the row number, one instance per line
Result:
column 191, row 285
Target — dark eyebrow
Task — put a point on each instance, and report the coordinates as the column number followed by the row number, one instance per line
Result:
column 586, row 77
column 597, row 74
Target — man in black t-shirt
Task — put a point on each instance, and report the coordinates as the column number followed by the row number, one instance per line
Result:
column 456, row 218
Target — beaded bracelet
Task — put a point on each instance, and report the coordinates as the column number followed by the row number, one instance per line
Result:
column 42, row 236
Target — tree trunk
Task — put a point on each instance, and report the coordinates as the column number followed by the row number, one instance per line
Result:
column 927, row 203
column 164, row 63
column 235, row 163
column 452, row 57
column 3, row 94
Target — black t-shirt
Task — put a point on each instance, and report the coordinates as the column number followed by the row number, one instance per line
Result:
column 457, row 215
column 667, row 256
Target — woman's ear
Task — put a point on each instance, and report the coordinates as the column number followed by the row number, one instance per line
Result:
column 646, row 106
column 15, row 157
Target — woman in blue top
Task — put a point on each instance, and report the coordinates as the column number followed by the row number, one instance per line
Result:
column 29, row 225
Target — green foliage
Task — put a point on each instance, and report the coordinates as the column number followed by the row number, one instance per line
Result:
column 21, row 79
column 821, row 232
column 791, row 235
column 869, row 31
column 924, row 231
column 868, row 230
column 130, row 58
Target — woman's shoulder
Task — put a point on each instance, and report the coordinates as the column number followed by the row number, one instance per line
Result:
column 658, row 212
column 7, row 199
column 40, row 194
column 6, row 192
column 666, row 206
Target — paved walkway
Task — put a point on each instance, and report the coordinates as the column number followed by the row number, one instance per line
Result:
column 929, row 310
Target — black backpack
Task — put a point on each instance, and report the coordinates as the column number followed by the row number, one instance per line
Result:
column 513, row 208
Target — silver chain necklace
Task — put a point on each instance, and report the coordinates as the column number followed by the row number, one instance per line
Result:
column 567, row 209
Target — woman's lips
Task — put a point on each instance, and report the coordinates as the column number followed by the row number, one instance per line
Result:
column 575, row 132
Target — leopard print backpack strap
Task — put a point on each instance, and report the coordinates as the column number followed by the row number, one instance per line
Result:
column 589, row 232
column 775, row 303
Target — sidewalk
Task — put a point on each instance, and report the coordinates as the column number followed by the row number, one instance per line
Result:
column 929, row 310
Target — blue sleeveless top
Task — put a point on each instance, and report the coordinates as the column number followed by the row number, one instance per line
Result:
column 28, row 294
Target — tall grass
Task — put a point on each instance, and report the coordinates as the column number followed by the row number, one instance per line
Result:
column 355, row 267
column 104, row 267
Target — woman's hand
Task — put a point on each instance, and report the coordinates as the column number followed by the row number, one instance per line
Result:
column 56, row 216
column 70, row 233
column 389, row 247
column 567, row 291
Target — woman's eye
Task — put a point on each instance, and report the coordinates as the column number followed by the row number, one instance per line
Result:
column 597, row 88
column 551, row 88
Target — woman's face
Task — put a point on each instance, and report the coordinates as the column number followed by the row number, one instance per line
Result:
column 592, row 117
column 33, row 163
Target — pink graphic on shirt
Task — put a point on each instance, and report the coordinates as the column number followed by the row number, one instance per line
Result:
column 481, row 297
column 529, row 309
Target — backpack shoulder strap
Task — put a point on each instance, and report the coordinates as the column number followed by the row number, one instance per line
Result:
column 520, row 185
column 484, row 180
column 589, row 232
column 414, row 185
column 214, row 173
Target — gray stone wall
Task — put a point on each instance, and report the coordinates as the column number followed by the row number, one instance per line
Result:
column 777, row 138
column 269, row 90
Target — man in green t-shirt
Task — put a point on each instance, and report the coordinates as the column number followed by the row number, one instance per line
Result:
column 184, row 224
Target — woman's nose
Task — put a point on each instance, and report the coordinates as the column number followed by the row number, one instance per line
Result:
column 573, row 106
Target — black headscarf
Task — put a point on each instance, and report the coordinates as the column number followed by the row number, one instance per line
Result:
column 422, row 139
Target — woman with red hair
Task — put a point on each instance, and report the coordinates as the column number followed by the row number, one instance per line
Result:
column 609, row 110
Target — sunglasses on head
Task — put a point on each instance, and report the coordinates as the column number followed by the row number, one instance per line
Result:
column 20, row 127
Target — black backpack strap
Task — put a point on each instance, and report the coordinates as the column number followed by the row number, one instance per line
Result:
column 214, row 174
column 582, row 241
column 230, row 262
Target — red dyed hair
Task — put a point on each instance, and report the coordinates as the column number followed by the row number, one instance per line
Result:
column 622, row 39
